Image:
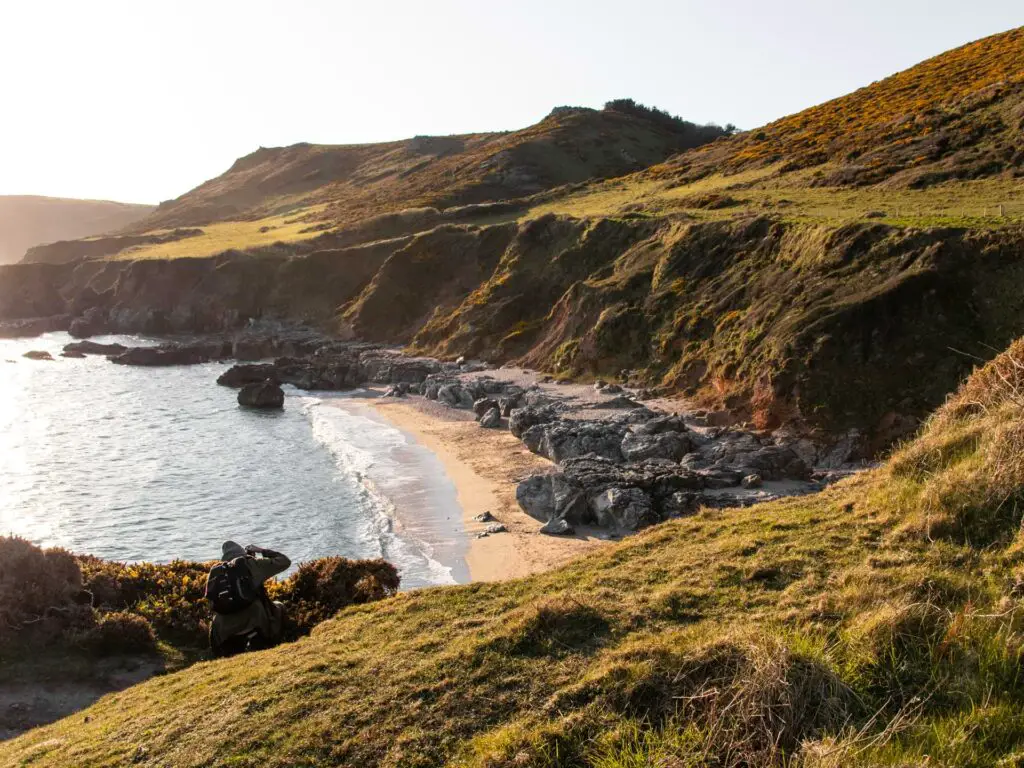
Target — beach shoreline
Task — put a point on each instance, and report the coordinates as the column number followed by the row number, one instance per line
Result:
column 484, row 466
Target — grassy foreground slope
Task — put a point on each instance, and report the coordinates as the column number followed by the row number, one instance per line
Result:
column 877, row 623
column 27, row 220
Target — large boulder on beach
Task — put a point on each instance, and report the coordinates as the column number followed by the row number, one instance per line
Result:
column 38, row 354
column 455, row 396
column 549, row 496
column 483, row 405
column 568, row 439
column 266, row 394
column 657, row 425
column 521, row 419
column 629, row 509
column 491, row 419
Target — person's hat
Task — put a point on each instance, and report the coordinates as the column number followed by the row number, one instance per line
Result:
column 230, row 550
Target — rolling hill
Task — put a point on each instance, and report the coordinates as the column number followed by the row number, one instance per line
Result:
column 27, row 221
column 805, row 285
column 815, row 272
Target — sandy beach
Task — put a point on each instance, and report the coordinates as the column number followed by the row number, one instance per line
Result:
column 485, row 465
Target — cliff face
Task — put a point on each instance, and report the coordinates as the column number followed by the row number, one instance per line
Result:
column 862, row 325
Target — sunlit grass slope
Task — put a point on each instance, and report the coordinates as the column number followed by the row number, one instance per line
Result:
column 878, row 623
column 230, row 235
column 967, row 99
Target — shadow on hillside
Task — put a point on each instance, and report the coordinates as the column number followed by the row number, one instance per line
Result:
column 48, row 689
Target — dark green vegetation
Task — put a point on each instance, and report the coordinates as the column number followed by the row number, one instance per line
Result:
column 877, row 623
column 27, row 220
column 53, row 599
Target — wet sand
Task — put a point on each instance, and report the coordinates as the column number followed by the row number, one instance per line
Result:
column 485, row 465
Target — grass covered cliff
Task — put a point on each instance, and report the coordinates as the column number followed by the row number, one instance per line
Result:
column 876, row 623
column 847, row 278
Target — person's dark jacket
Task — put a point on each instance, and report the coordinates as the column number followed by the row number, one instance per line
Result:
column 263, row 615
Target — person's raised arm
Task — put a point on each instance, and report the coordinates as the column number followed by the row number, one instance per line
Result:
column 268, row 566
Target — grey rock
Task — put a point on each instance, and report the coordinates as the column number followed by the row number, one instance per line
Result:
column 491, row 419
column 509, row 402
column 661, row 425
column 166, row 355
column 496, row 528
column 484, row 517
column 627, row 508
column 450, row 395
column 522, row 419
column 545, row 497
column 485, row 404
column 240, row 375
column 263, row 395
column 535, row 497
column 618, row 402
column 662, row 445
column 557, row 527
column 94, row 348
column 681, row 503
column 720, row 477
column 694, row 461
column 752, row 481
column 568, row 438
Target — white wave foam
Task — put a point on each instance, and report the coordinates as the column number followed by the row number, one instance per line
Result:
column 364, row 449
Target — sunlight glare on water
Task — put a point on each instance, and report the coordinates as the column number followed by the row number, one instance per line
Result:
column 134, row 463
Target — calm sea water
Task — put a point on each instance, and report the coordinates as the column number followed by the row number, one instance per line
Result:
column 155, row 464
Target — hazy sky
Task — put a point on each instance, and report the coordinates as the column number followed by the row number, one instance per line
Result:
column 140, row 101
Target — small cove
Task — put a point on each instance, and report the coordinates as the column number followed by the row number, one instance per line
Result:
column 154, row 464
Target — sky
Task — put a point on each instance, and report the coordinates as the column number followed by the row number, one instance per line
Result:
column 141, row 101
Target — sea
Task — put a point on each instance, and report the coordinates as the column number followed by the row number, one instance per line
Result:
column 156, row 464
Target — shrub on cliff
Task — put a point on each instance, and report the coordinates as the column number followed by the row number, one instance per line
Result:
column 35, row 585
column 321, row 588
column 120, row 632
column 169, row 597
column 695, row 134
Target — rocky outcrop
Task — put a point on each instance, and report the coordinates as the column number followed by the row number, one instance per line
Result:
column 95, row 348
column 267, row 395
column 337, row 366
column 36, row 326
column 170, row 354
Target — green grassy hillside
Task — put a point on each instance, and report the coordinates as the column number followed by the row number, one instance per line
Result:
column 342, row 184
column 877, row 623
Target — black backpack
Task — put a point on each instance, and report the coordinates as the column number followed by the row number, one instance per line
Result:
column 230, row 587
